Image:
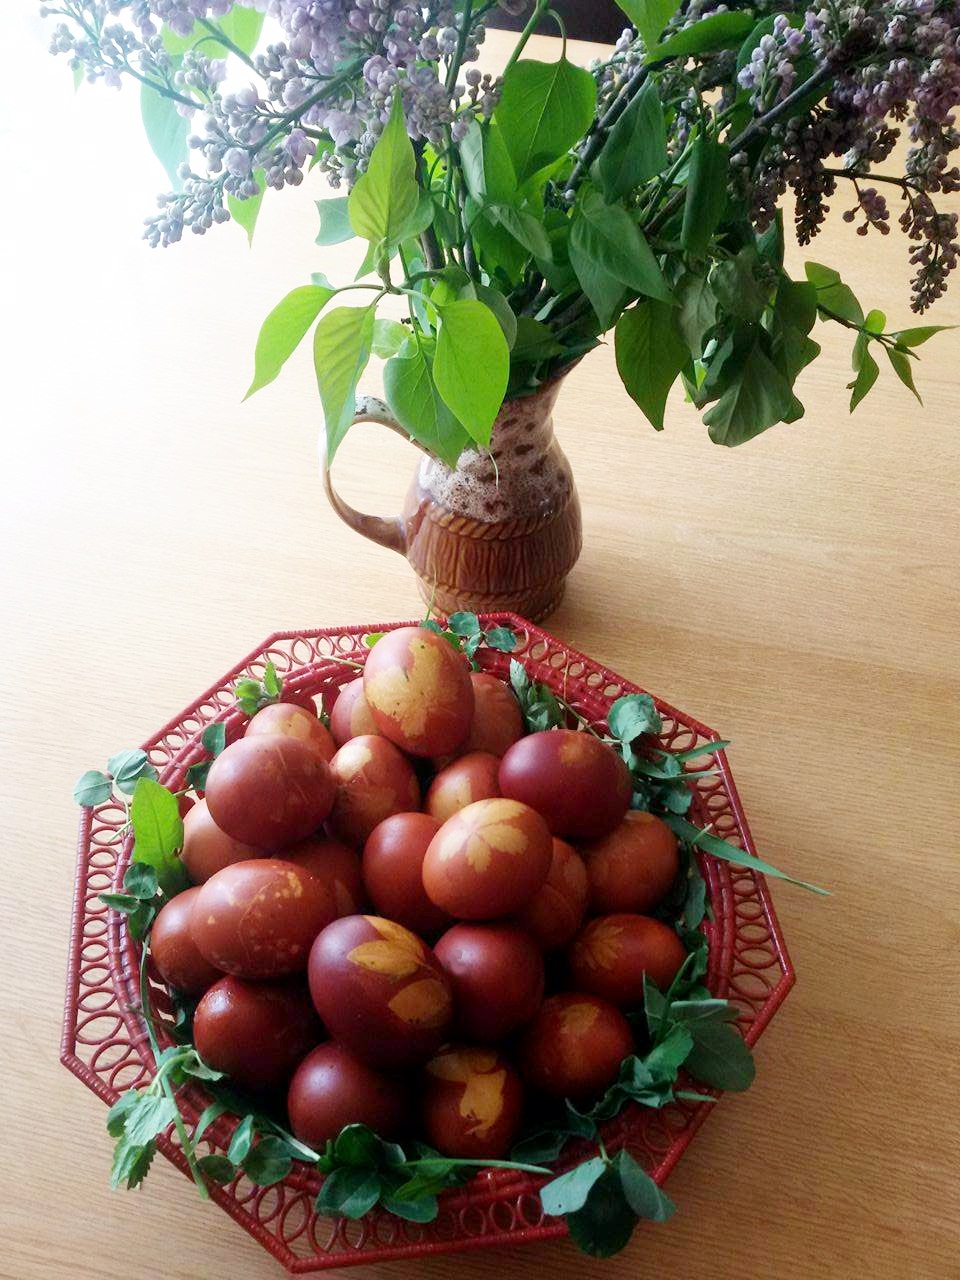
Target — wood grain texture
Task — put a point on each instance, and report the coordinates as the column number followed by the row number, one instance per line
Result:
column 800, row 594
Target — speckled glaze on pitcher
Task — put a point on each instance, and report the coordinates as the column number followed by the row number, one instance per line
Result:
column 499, row 531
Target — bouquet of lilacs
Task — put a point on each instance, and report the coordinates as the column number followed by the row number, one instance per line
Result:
column 519, row 217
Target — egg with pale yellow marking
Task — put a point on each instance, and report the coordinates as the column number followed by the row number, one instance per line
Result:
column 291, row 721
column 350, row 715
column 269, row 790
column 497, row 722
column 487, row 860
column 336, row 866
column 380, row 991
column 469, row 778
column 258, row 919
column 555, row 912
column 577, row 782
column 574, row 1046
column 418, row 689
column 611, row 955
column 471, row 1103
column 373, row 780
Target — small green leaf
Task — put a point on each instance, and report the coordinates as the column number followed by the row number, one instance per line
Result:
column 649, row 17
column 209, row 1114
column 472, row 365
column 569, row 1192
column 650, row 353
column 214, row 737
column 706, row 198
column 875, row 322
column 268, row 1162
column 720, row 1057
column 415, row 402
column 284, row 329
column 123, row 902
column 524, row 228
column 501, row 638
column 140, row 881
column 867, row 371
column 544, row 109
column 127, row 766
column 348, row 1193
column 636, row 147
column 342, row 343
column 718, row 31
column 166, row 131
column 902, row 368
column 245, row 212
column 388, row 337
column 92, row 788
column 271, row 681
column 501, row 308
column 833, row 294
column 697, row 313
column 131, row 1161
column 640, row 1191
column 464, row 624
column 152, row 1115
column 917, row 337
column 719, row 848
column 605, row 1224
column 632, row 715
column 217, row 1168
column 423, row 1209
column 121, row 1109
column 335, row 225
column 358, row 1145
column 158, row 833
column 242, row 1140
column 386, row 195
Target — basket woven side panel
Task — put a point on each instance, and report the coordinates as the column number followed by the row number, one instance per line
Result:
column 104, row 1042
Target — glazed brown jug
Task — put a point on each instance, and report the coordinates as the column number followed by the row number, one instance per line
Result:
column 499, row 531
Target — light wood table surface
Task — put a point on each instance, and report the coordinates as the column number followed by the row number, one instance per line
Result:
column 799, row 594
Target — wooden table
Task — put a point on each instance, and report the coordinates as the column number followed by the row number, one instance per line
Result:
column 799, row 593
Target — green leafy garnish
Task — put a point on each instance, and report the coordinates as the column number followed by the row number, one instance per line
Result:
column 253, row 695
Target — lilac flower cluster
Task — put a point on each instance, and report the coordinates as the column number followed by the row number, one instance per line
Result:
column 771, row 72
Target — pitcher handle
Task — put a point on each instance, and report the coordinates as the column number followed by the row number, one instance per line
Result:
column 388, row 531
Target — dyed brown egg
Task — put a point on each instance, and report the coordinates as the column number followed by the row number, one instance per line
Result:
column 380, row 991
column 331, row 1088
column 258, row 919
column 269, row 791
column 634, row 867
column 256, row 1032
column 578, row 783
column 293, row 721
column 471, row 1103
column 497, row 722
column 207, row 849
column 555, row 912
column 419, row 692
column 351, row 716
column 488, row 860
column 393, row 872
column 373, row 780
column 574, row 1047
column 469, row 778
column 497, row 977
column 334, row 865
column 174, row 951
column 610, row 955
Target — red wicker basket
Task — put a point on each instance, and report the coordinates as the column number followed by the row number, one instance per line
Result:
column 105, row 1043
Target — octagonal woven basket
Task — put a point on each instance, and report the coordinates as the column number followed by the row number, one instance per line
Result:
column 105, row 1042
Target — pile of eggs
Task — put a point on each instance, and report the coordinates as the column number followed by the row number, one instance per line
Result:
column 412, row 919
